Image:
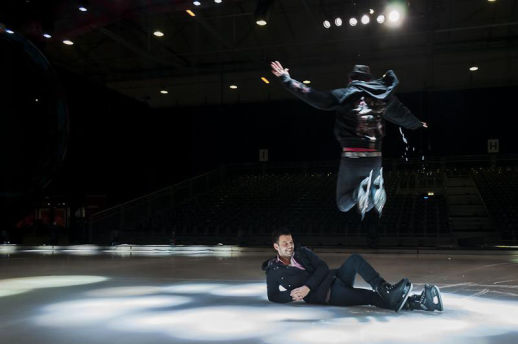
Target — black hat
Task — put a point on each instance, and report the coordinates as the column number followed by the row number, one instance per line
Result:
column 360, row 72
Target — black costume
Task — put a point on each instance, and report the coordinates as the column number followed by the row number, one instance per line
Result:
column 326, row 286
column 361, row 109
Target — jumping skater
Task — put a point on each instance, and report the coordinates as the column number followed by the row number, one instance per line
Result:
column 361, row 108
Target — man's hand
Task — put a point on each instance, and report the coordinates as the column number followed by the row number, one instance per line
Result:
column 277, row 69
column 425, row 125
column 298, row 294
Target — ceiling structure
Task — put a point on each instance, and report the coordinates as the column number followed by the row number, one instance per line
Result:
column 199, row 57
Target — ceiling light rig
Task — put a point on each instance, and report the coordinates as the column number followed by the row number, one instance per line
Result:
column 392, row 16
column 262, row 12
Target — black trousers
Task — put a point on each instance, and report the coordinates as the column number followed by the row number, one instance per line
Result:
column 350, row 174
column 342, row 291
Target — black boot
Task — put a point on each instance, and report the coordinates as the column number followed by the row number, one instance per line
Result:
column 429, row 300
column 395, row 296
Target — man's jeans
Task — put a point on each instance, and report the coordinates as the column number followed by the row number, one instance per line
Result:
column 342, row 291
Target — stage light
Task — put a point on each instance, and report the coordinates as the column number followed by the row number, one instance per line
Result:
column 307, row 82
column 262, row 12
column 7, row 249
column 164, row 91
column 218, row 1
column 338, row 21
column 234, row 87
column 353, row 21
column 68, row 42
column 46, row 35
column 9, row 31
column 380, row 19
column 327, row 24
column 473, row 68
column 196, row 3
column 266, row 81
column 394, row 16
column 83, row 9
column 491, row 0
column 191, row 13
column 365, row 19
column 158, row 33
column 371, row 11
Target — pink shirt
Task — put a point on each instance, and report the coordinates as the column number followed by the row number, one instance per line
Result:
column 293, row 263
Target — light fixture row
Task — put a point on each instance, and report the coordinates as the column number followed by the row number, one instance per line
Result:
column 394, row 17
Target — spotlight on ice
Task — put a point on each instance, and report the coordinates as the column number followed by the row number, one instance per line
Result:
column 338, row 21
column 327, row 24
column 380, row 19
column 353, row 21
column 365, row 19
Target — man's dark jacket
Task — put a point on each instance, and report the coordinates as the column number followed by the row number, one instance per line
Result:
column 361, row 108
column 282, row 279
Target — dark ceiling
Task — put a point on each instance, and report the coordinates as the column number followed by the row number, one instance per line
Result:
column 199, row 57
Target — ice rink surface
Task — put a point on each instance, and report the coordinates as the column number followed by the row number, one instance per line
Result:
column 201, row 294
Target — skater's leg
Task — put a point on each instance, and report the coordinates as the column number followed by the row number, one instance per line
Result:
column 347, row 185
column 351, row 173
column 393, row 296
column 343, row 295
column 356, row 264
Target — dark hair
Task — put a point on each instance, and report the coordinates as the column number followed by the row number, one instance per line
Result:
column 281, row 231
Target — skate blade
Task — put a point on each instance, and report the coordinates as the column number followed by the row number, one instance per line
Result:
column 407, row 294
column 439, row 298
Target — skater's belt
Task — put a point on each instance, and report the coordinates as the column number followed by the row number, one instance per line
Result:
column 360, row 154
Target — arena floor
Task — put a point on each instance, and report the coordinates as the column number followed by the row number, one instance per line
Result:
column 201, row 294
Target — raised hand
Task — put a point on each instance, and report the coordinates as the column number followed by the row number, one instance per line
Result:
column 277, row 69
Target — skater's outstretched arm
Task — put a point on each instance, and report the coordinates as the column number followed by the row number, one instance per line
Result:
column 399, row 114
column 318, row 99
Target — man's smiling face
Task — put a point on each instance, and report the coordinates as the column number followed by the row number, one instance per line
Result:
column 284, row 246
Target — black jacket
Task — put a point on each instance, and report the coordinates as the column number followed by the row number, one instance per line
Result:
column 361, row 108
column 282, row 279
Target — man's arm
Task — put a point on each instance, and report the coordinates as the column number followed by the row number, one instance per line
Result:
column 321, row 270
column 399, row 114
column 318, row 99
column 274, row 294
